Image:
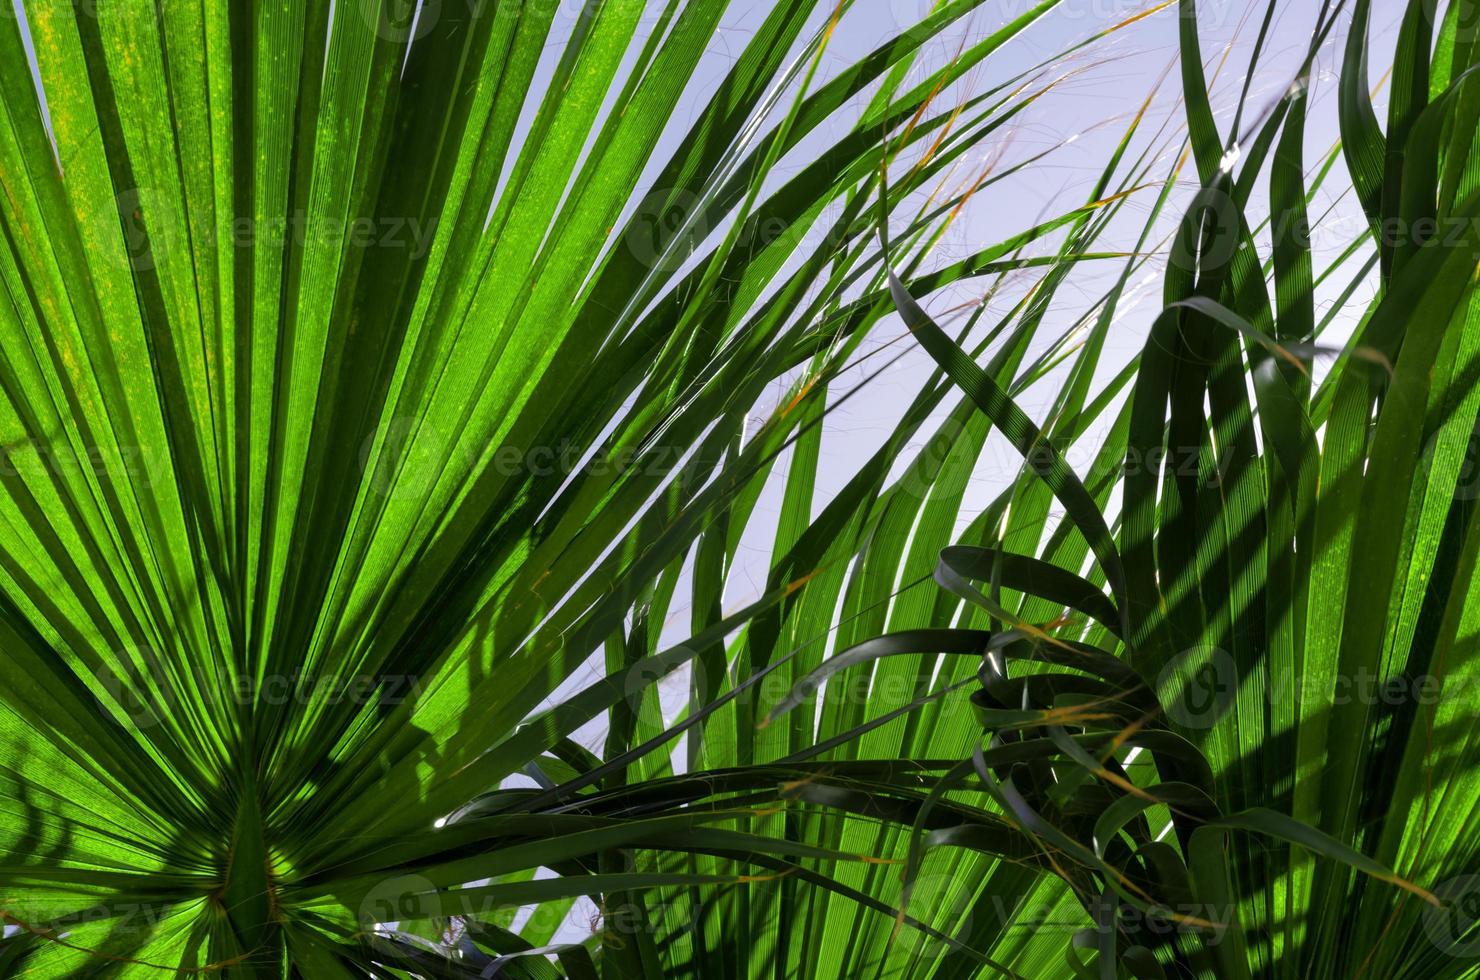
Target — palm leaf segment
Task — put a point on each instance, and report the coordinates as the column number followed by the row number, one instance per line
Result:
column 363, row 370
column 1238, row 732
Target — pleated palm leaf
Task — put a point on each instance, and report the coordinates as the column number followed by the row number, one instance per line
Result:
column 365, row 371
column 875, row 749
column 1234, row 713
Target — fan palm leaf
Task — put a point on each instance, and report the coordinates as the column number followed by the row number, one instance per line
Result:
column 367, row 369
column 1230, row 712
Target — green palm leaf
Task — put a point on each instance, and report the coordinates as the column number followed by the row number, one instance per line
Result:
column 365, row 371
column 1266, row 772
